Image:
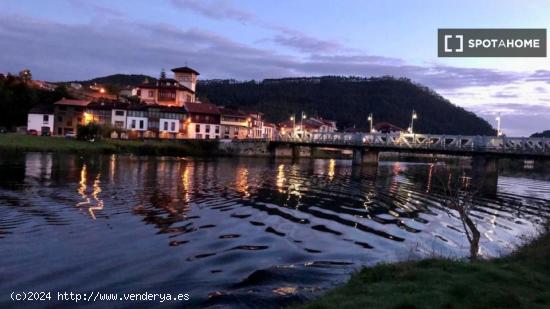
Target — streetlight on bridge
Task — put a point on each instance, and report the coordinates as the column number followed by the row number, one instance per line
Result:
column 293, row 119
column 370, row 120
column 499, row 132
column 413, row 117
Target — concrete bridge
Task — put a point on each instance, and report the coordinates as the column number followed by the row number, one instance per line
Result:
column 484, row 150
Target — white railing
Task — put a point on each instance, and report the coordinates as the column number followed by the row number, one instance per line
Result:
column 428, row 141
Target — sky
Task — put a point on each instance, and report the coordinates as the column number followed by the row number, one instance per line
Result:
column 61, row 40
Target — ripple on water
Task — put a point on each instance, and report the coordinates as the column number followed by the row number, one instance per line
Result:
column 232, row 232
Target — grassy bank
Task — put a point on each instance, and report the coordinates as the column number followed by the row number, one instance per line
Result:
column 521, row 280
column 20, row 142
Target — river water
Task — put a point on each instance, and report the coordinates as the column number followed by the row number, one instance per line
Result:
column 234, row 232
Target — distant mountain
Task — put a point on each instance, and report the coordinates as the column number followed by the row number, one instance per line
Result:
column 119, row 80
column 349, row 101
column 545, row 133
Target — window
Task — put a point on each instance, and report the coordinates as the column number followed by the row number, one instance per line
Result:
column 165, row 126
column 69, row 123
column 60, row 118
column 198, row 136
column 207, row 130
column 217, row 130
column 141, row 124
column 226, row 129
column 151, row 93
column 139, row 93
column 173, row 126
column 197, row 128
column 46, row 118
column 188, row 98
column 206, row 118
column 133, row 125
column 119, row 124
column 119, row 113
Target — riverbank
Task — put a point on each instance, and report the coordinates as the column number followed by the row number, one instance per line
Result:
column 20, row 142
column 520, row 280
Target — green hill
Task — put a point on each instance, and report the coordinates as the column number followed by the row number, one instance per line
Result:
column 348, row 100
column 118, row 80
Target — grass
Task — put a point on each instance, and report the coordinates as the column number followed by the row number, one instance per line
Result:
column 20, row 142
column 521, row 280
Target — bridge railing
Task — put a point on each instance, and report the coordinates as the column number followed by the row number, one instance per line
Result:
column 427, row 141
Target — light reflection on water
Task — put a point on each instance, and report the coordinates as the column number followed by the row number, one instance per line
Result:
column 245, row 232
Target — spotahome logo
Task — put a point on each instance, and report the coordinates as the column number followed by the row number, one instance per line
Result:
column 491, row 42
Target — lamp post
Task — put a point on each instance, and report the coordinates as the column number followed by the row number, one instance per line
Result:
column 499, row 133
column 293, row 119
column 413, row 117
column 302, row 123
column 370, row 120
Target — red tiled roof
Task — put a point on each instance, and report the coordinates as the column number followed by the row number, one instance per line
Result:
column 231, row 112
column 184, row 70
column 202, row 108
column 72, row 102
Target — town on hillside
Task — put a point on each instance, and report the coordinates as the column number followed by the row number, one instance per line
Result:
column 167, row 109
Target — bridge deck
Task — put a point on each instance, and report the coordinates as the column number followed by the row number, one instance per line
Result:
column 428, row 143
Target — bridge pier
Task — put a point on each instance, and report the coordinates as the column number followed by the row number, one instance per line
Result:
column 485, row 174
column 365, row 157
column 301, row 151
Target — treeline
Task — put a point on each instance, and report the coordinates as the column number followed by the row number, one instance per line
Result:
column 545, row 133
column 349, row 101
column 17, row 97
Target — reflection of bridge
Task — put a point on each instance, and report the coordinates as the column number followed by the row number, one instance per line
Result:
column 484, row 150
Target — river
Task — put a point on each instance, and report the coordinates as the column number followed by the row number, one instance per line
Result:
column 236, row 232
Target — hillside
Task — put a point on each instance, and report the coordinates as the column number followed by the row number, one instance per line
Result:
column 118, row 80
column 545, row 133
column 348, row 101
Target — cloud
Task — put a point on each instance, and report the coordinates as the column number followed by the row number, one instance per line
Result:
column 284, row 36
column 540, row 75
column 215, row 9
column 97, row 8
column 67, row 51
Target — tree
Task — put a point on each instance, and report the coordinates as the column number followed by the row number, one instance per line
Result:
column 25, row 75
column 459, row 197
column 162, row 74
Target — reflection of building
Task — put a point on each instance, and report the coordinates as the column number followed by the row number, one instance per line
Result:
column 41, row 119
column 234, row 123
column 170, row 91
column 204, row 121
column 68, row 115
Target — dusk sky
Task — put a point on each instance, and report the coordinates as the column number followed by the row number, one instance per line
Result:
column 74, row 40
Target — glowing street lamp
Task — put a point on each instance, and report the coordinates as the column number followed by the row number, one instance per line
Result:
column 413, row 117
column 370, row 120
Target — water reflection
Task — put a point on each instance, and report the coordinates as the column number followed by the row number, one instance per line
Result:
column 242, row 231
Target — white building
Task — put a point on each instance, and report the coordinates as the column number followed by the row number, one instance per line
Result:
column 41, row 119
column 118, row 118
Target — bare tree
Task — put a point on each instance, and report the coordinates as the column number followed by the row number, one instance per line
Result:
column 459, row 196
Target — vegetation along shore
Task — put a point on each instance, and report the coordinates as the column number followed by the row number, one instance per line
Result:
column 519, row 280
